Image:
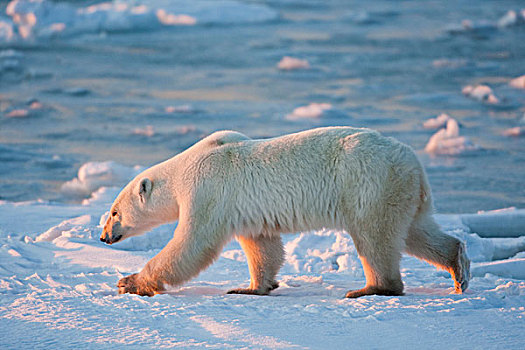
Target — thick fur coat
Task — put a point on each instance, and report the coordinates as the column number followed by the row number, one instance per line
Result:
column 228, row 185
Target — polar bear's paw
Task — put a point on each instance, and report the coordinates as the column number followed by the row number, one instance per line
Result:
column 249, row 291
column 461, row 270
column 253, row 291
column 134, row 284
column 373, row 291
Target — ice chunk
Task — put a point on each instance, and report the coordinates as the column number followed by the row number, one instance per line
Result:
column 17, row 113
column 173, row 20
column 450, row 63
column 448, row 142
column 508, row 223
column 438, row 122
column 518, row 83
column 312, row 111
column 6, row 31
column 515, row 131
column 360, row 17
column 481, row 93
column 291, row 63
column 511, row 288
column 512, row 18
column 323, row 251
column 145, row 131
column 65, row 226
column 469, row 27
column 509, row 19
column 185, row 129
column 511, row 268
column 179, row 109
column 94, row 175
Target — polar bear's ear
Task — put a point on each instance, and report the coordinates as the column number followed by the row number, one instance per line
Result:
column 145, row 189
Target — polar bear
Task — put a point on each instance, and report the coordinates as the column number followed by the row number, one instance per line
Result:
column 228, row 185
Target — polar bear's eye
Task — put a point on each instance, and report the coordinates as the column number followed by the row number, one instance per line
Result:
column 114, row 213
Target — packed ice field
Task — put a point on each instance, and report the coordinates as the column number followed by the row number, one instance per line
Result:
column 93, row 93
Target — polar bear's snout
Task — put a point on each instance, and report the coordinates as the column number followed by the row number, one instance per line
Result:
column 110, row 233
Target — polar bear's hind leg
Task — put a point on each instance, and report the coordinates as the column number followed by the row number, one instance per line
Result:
column 265, row 255
column 426, row 241
column 380, row 256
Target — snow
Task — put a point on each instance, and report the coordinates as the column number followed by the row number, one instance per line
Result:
column 515, row 131
column 437, row 122
column 41, row 19
column 482, row 93
column 509, row 19
column 147, row 131
column 447, row 141
column 311, row 111
column 169, row 19
column 58, row 281
column 486, row 26
column 179, row 109
column 510, row 222
column 518, row 83
column 93, row 175
column 17, row 113
column 292, row 63
column 512, row 18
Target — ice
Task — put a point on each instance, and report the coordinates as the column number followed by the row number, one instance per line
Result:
column 515, row 131
column 179, row 109
column 93, row 175
column 29, row 108
column 147, row 131
column 447, row 141
column 65, row 226
column 64, row 281
column 482, row 93
column 437, row 122
column 292, row 63
column 169, row 19
column 323, row 251
column 512, row 18
column 17, row 113
column 509, row 19
column 360, row 17
column 502, row 223
column 468, row 26
column 514, row 268
column 449, row 63
column 311, row 111
column 78, row 78
column 33, row 19
column 518, row 83
column 6, row 30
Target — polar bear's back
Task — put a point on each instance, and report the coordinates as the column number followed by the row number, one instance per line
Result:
column 302, row 180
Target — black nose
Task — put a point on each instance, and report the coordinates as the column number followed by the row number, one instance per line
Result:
column 102, row 239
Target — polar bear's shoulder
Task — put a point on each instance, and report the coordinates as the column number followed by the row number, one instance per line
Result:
column 223, row 137
column 216, row 140
column 220, row 138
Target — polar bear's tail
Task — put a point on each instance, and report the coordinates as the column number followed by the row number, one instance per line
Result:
column 426, row 241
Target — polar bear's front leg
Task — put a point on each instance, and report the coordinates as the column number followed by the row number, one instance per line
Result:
column 191, row 250
column 265, row 257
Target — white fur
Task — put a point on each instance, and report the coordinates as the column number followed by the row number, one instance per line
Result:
column 229, row 185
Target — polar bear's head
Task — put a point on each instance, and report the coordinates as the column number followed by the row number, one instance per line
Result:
column 142, row 205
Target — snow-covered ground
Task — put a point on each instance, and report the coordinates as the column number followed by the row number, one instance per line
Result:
column 58, row 289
